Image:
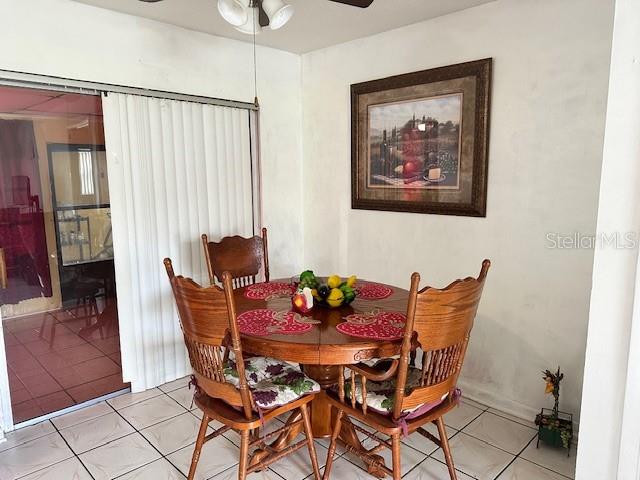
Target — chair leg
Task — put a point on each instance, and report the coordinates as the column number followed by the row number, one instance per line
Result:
column 332, row 446
column 244, row 454
column 85, row 313
column 445, row 448
column 199, row 442
column 310, row 444
column 395, row 456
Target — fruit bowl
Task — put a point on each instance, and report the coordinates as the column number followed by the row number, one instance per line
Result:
column 331, row 292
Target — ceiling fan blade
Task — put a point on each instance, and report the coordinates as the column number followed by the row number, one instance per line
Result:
column 355, row 3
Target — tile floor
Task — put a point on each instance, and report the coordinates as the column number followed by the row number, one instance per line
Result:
column 58, row 359
column 150, row 436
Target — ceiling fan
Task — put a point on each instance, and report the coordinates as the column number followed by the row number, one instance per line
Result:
column 242, row 14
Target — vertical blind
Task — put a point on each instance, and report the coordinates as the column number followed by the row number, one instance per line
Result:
column 176, row 170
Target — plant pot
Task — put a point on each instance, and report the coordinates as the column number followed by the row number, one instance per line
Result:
column 552, row 425
column 550, row 437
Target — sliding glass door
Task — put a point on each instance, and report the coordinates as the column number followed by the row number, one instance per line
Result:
column 78, row 202
column 57, row 284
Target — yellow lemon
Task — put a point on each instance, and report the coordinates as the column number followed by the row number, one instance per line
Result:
column 351, row 281
column 335, row 297
column 334, row 281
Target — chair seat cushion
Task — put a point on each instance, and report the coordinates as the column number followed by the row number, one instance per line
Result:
column 381, row 395
column 272, row 382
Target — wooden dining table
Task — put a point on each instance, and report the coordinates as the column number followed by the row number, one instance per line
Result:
column 322, row 348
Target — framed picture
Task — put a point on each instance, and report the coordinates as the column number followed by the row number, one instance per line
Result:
column 419, row 141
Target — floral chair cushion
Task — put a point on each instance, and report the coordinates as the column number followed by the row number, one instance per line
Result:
column 272, row 382
column 381, row 395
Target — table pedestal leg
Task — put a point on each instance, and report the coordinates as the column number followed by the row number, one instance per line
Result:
column 322, row 416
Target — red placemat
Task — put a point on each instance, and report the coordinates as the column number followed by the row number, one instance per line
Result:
column 266, row 290
column 372, row 291
column 378, row 325
column 265, row 321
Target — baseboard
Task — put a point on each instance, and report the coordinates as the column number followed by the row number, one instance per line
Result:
column 510, row 407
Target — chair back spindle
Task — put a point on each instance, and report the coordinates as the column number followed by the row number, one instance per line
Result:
column 4, row 282
column 208, row 321
column 242, row 257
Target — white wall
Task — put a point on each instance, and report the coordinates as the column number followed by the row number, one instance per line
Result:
column 73, row 40
column 613, row 345
column 551, row 63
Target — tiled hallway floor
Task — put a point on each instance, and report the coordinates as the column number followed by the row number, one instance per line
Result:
column 61, row 358
column 149, row 436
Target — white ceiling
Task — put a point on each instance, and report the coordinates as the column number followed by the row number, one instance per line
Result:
column 316, row 23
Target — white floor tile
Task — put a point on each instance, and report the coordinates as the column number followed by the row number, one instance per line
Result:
column 553, row 458
column 298, row 465
column 197, row 412
column 119, row 457
column 176, row 384
column 473, row 403
column 528, row 422
column 70, row 469
column 432, row 469
column 82, row 415
column 343, row 469
column 152, row 411
column 461, row 416
column 127, row 399
column 33, row 456
column 232, row 474
column 93, row 433
column 522, row 469
column 26, row 434
column 173, row 434
column 184, row 396
column 214, row 424
column 475, row 457
column 217, row 455
column 424, row 445
column 500, row 432
column 158, row 470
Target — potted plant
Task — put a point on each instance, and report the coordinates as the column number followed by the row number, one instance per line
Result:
column 555, row 428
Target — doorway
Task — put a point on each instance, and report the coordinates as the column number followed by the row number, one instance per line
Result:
column 57, row 291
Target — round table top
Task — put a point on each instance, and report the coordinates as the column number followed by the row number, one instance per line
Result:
column 322, row 344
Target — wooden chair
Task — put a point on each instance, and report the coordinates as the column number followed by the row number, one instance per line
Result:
column 439, row 321
column 241, row 257
column 223, row 393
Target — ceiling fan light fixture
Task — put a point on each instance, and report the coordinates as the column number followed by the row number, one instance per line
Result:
column 252, row 24
column 279, row 13
column 234, row 11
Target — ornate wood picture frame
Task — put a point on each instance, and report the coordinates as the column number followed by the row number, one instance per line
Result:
column 420, row 141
